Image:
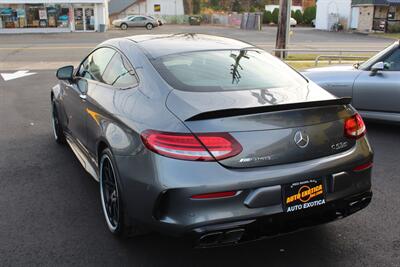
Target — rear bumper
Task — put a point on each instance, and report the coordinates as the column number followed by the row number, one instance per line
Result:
column 159, row 193
column 267, row 226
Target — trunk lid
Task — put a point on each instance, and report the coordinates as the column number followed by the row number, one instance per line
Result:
column 273, row 126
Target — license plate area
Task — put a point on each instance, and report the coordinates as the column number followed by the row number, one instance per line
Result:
column 303, row 195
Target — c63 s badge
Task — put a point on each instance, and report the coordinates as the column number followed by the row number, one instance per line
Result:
column 303, row 195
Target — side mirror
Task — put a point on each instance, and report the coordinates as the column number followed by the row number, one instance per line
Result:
column 379, row 66
column 65, row 73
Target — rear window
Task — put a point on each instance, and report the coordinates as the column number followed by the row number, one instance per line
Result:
column 226, row 71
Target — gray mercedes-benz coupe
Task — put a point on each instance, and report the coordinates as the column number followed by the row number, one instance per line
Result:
column 210, row 138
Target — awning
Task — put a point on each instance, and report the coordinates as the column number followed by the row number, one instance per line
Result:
column 393, row 2
column 52, row 1
column 374, row 2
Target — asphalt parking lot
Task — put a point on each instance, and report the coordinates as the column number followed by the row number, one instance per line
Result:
column 50, row 207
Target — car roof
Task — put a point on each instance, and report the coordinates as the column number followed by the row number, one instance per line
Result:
column 159, row 45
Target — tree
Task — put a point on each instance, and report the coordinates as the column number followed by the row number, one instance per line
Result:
column 214, row 3
column 196, row 7
column 309, row 14
column 298, row 16
column 275, row 16
column 267, row 17
column 187, row 6
column 236, row 6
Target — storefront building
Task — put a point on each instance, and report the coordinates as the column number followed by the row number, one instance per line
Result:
column 18, row 16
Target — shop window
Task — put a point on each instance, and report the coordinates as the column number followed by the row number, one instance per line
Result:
column 89, row 17
column 392, row 13
column 7, row 17
column 34, row 15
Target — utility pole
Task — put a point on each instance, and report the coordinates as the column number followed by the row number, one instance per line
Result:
column 282, row 36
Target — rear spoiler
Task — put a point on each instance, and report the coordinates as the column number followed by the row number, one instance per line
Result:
column 223, row 113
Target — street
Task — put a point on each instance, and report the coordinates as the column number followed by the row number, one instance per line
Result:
column 44, row 51
column 50, row 207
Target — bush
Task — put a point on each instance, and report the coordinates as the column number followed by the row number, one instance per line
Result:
column 252, row 9
column 267, row 17
column 275, row 16
column 298, row 16
column 292, row 14
column 393, row 28
column 309, row 14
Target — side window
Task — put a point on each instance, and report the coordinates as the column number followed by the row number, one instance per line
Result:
column 139, row 19
column 95, row 64
column 392, row 62
column 119, row 73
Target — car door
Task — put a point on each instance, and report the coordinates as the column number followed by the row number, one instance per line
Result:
column 74, row 107
column 139, row 21
column 104, row 101
column 86, row 79
column 379, row 92
column 131, row 21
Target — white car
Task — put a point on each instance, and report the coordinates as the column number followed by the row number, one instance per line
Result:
column 293, row 22
column 136, row 21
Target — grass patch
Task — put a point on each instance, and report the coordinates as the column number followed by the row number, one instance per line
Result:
column 300, row 66
column 294, row 57
column 395, row 36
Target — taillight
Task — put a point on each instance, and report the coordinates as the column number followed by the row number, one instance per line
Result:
column 363, row 167
column 354, row 127
column 202, row 147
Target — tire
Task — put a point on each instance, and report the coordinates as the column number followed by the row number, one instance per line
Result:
column 149, row 26
column 58, row 131
column 111, row 200
column 124, row 26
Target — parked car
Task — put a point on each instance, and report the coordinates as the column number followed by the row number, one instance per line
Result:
column 220, row 142
column 136, row 21
column 293, row 22
column 374, row 85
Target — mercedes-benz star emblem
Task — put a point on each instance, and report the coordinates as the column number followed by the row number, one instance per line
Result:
column 301, row 139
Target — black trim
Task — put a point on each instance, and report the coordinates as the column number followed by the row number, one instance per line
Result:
column 223, row 113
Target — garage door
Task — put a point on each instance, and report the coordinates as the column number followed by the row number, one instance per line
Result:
column 355, row 12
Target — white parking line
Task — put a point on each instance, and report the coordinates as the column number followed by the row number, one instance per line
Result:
column 16, row 75
column 29, row 65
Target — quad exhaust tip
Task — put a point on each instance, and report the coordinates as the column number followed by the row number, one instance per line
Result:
column 221, row 238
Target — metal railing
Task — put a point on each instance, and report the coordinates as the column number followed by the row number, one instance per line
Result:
column 321, row 53
column 339, row 58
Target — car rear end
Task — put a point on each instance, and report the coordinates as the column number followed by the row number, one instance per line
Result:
column 254, row 161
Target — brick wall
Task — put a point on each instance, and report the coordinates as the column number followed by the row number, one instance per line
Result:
column 365, row 19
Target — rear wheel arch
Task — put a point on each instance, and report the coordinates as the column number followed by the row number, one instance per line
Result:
column 101, row 146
